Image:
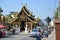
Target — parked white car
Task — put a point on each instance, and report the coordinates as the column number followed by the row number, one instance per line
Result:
column 38, row 27
column 33, row 32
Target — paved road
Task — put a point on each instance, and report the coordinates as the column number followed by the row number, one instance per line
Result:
column 18, row 37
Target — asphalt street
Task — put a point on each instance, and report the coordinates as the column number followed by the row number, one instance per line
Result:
column 18, row 37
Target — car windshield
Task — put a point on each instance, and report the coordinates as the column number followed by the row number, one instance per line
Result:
column 34, row 30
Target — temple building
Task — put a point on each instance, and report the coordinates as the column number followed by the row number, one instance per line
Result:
column 24, row 19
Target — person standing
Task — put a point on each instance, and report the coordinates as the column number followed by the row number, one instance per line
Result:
column 17, row 29
column 0, row 34
column 38, row 35
column 46, row 33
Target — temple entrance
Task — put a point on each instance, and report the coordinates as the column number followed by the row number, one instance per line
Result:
column 22, row 28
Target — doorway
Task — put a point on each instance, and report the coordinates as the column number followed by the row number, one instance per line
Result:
column 22, row 28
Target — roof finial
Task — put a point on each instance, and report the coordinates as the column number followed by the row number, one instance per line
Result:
column 24, row 5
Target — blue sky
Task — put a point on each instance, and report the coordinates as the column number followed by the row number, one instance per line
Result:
column 40, row 8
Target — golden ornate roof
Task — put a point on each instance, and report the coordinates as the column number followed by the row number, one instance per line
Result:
column 27, row 12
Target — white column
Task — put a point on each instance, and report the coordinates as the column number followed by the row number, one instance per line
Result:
column 26, row 29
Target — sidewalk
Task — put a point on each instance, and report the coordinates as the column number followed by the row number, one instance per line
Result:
column 44, row 39
column 52, row 36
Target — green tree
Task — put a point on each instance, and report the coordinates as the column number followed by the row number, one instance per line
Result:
column 56, row 15
column 1, row 10
column 8, row 17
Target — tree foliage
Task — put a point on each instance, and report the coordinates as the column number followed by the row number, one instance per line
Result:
column 48, row 20
column 56, row 15
column 8, row 17
column 1, row 9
